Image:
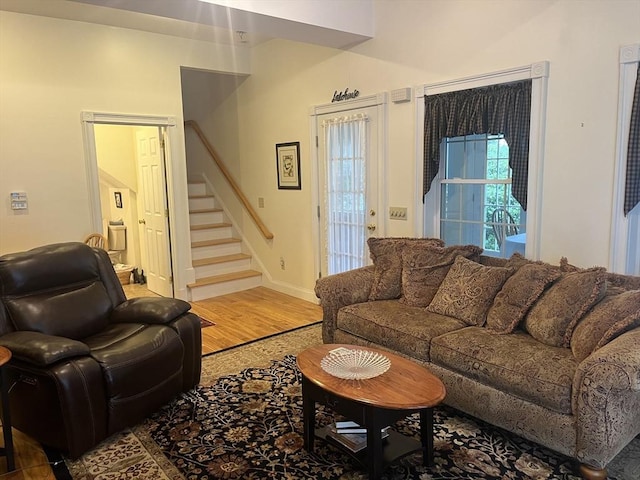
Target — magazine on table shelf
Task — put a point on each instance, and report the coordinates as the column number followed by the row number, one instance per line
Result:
column 351, row 435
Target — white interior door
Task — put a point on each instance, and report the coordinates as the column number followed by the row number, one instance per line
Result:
column 348, row 187
column 156, row 258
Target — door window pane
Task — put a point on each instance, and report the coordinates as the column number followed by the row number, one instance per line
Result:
column 345, row 194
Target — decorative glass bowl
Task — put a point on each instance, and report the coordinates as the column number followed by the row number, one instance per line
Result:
column 352, row 364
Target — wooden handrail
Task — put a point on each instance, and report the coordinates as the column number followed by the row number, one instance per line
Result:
column 216, row 158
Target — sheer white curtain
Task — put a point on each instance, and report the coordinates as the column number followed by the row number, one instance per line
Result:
column 345, row 192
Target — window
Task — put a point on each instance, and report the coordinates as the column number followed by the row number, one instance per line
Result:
column 526, row 159
column 625, row 230
column 476, row 204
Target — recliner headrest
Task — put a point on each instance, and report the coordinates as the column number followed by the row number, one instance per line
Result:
column 50, row 267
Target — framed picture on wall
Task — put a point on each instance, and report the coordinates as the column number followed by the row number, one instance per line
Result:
column 118, row 196
column 288, row 165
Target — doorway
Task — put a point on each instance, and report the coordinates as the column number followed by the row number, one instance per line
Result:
column 350, row 181
column 127, row 164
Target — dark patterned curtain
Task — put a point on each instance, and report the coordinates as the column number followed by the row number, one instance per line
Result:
column 498, row 109
column 632, row 187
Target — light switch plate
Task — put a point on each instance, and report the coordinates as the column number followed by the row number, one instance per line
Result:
column 397, row 213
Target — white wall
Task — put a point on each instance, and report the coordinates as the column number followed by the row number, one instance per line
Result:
column 421, row 42
column 50, row 71
column 354, row 16
column 115, row 146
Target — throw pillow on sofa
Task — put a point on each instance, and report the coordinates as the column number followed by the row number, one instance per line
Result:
column 609, row 318
column 386, row 254
column 425, row 267
column 616, row 282
column 553, row 317
column 519, row 292
column 468, row 290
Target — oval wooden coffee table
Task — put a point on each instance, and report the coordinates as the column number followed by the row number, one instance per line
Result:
column 375, row 403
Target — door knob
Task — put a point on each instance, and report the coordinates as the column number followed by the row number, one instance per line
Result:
column 142, row 222
column 371, row 227
column 372, row 212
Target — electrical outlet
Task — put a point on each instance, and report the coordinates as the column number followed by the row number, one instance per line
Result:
column 282, row 263
column 260, row 202
column 397, row 213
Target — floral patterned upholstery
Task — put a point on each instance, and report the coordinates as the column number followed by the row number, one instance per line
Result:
column 522, row 366
column 468, row 291
column 582, row 401
column 386, row 254
column 402, row 328
column 553, row 317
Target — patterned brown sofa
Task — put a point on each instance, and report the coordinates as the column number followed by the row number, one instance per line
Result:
column 551, row 353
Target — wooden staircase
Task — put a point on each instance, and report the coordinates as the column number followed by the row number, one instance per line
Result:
column 221, row 266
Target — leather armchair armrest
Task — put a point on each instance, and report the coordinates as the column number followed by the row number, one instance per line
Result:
column 339, row 290
column 40, row 349
column 149, row 310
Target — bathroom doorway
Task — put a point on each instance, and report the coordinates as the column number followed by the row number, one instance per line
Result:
column 130, row 172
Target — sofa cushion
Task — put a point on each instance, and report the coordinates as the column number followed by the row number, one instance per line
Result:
column 468, row 291
column 611, row 317
column 396, row 326
column 517, row 295
column 553, row 317
column 386, row 254
column 515, row 363
column 616, row 282
column 424, row 269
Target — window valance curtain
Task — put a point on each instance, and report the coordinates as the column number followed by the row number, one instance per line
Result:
column 632, row 183
column 498, row 109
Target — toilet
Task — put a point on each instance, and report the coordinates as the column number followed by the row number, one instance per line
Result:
column 117, row 239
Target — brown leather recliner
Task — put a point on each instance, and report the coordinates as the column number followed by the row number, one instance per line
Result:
column 87, row 362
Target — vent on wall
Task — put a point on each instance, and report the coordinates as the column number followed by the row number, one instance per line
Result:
column 401, row 95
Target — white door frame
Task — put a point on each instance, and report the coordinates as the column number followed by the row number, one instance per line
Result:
column 380, row 101
column 177, row 243
column 619, row 260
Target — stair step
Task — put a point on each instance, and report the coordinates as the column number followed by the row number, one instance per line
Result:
column 221, row 259
column 218, row 241
column 206, row 210
column 196, row 187
column 226, row 277
column 201, row 201
column 207, row 226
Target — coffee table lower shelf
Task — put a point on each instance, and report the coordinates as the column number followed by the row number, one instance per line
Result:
column 394, row 447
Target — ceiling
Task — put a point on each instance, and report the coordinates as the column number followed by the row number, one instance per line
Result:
column 196, row 19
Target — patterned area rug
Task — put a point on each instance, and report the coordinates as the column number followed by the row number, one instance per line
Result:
column 246, row 423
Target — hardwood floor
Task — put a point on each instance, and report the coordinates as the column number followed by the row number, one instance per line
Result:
column 245, row 316
column 239, row 318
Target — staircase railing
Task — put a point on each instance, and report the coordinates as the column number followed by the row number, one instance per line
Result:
column 234, row 186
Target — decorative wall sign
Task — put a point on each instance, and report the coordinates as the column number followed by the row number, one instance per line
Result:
column 288, row 165
column 346, row 95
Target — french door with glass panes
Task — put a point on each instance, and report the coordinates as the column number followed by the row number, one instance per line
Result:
column 348, row 187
